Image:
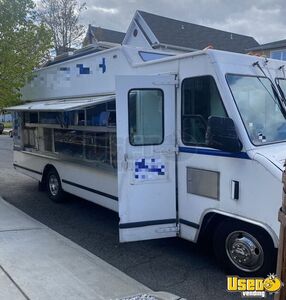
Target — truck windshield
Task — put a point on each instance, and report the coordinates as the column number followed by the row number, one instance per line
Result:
column 282, row 84
column 259, row 108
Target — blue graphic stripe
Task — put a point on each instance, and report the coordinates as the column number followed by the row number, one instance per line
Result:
column 103, row 65
column 82, row 69
column 242, row 155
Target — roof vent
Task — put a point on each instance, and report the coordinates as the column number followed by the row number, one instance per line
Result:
column 182, row 26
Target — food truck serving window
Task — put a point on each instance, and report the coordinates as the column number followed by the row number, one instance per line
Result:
column 82, row 131
column 146, row 117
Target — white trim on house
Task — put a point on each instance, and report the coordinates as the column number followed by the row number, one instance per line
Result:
column 146, row 38
column 139, row 23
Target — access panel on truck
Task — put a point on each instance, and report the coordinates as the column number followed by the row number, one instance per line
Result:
column 146, row 156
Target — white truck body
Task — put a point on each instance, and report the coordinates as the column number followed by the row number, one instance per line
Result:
column 167, row 188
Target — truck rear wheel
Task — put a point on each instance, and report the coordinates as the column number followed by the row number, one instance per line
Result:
column 54, row 186
column 244, row 249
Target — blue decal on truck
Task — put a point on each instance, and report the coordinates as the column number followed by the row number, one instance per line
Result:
column 242, row 155
column 82, row 69
column 103, row 65
column 149, row 168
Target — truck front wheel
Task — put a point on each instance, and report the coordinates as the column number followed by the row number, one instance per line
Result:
column 54, row 187
column 244, row 249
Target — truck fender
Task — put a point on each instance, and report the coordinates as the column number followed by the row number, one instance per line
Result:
column 215, row 216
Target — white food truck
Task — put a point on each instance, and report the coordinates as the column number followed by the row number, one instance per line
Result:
column 187, row 145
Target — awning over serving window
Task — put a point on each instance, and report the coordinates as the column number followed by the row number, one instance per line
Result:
column 61, row 105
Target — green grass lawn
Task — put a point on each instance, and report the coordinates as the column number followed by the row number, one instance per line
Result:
column 7, row 124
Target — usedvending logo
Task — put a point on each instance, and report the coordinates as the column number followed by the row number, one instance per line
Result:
column 254, row 287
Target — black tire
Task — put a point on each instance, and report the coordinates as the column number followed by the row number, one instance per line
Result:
column 42, row 186
column 244, row 249
column 54, row 187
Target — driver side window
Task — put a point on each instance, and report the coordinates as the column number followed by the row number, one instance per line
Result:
column 200, row 100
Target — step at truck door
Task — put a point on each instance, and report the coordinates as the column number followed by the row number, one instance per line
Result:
column 145, row 108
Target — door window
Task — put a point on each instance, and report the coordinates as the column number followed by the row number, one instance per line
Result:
column 146, row 117
column 200, row 100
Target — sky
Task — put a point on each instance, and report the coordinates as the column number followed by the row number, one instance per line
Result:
column 265, row 20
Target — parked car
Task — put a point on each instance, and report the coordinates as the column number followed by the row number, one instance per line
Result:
column 1, row 128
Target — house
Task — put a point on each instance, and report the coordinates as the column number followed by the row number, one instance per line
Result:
column 96, row 35
column 276, row 50
column 96, row 39
column 156, row 32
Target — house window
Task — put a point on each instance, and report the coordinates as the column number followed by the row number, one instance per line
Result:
column 280, row 54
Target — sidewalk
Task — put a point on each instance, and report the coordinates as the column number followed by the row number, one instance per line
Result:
column 38, row 263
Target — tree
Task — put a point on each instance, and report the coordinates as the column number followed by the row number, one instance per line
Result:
column 62, row 17
column 23, row 45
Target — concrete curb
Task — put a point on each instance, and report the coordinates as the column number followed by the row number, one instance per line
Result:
column 38, row 263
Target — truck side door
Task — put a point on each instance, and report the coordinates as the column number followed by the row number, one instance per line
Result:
column 146, row 156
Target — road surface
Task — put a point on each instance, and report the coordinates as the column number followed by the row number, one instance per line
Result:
column 172, row 265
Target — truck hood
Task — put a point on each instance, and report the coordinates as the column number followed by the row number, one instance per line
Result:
column 274, row 154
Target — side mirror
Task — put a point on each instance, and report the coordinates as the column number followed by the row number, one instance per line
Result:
column 221, row 134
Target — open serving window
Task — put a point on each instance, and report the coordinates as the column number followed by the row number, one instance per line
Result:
column 80, row 130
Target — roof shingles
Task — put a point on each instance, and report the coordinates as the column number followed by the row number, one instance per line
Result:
column 193, row 36
column 107, row 35
column 269, row 46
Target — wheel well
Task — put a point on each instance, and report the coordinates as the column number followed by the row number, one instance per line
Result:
column 45, row 173
column 212, row 220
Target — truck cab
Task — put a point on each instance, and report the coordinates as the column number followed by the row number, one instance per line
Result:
column 225, row 147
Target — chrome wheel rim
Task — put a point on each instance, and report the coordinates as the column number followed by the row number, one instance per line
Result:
column 244, row 251
column 54, row 185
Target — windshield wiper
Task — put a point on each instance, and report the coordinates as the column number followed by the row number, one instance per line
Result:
column 281, row 102
column 281, row 68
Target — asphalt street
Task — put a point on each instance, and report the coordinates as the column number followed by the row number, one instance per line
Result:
column 172, row 265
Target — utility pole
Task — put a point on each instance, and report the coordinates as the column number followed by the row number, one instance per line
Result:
column 281, row 261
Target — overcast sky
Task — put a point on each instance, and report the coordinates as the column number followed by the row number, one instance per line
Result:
column 265, row 20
